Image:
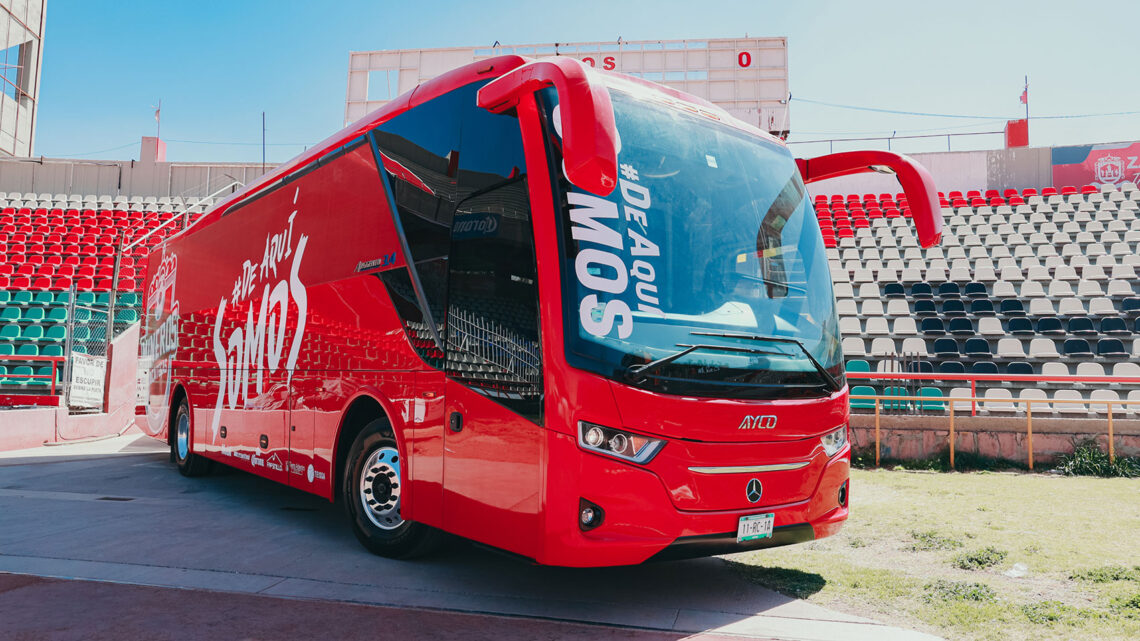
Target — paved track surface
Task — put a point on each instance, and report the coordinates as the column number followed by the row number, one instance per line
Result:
column 115, row 511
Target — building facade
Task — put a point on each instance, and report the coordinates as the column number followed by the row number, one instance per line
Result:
column 748, row 77
column 21, row 55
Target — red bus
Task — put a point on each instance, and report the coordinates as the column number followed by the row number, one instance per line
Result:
column 570, row 314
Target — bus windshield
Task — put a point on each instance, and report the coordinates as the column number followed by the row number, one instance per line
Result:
column 704, row 272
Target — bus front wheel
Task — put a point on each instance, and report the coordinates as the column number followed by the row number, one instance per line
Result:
column 372, row 493
column 189, row 463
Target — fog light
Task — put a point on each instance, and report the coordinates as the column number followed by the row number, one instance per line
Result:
column 590, row 515
column 843, row 494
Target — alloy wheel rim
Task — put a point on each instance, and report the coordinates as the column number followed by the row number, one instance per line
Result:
column 379, row 488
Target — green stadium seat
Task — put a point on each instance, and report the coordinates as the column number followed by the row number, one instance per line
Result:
column 52, row 350
column 893, row 404
column 932, row 405
column 127, row 299
column 85, row 298
column 43, row 298
column 62, row 299
column 57, row 315
column 33, row 314
column 28, row 349
column 102, row 299
column 5, row 296
column 10, row 332
column 126, row 316
column 858, row 366
column 21, row 298
column 3, row 374
column 81, row 334
column 10, row 314
column 78, row 349
column 31, row 333
column 863, row 403
column 42, row 382
column 55, row 334
column 82, row 315
column 7, row 349
column 20, row 375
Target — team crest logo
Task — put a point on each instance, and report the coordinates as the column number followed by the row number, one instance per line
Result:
column 1109, row 169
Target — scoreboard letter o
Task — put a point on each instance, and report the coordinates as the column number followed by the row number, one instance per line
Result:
column 589, row 61
column 744, row 59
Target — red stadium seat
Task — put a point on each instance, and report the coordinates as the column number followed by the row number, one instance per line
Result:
column 1089, row 189
column 1048, row 191
column 1068, row 190
column 84, row 284
column 61, row 284
column 41, row 283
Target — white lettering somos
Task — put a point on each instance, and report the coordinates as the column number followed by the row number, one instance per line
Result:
column 603, row 268
column 259, row 348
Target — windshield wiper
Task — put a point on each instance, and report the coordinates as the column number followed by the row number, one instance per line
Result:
column 769, row 281
column 831, row 380
column 636, row 373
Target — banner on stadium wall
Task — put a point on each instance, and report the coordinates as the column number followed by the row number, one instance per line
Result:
column 1096, row 164
column 87, row 376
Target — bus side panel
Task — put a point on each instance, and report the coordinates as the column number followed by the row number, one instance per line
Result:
column 354, row 345
column 247, row 287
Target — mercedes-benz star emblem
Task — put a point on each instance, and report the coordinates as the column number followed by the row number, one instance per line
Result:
column 754, row 490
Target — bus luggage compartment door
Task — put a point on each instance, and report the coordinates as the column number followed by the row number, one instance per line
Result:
column 491, row 472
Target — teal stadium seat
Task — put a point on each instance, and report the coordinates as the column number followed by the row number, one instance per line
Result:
column 10, row 314
column 931, row 405
column 858, row 365
column 62, row 299
column 43, row 298
column 28, row 349
column 19, row 375
column 893, row 404
column 127, row 316
column 5, row 297
column 7, row 349
column 86, row 299
column 863, row 403
column 31, row 333
column 102, row 299
column 33, row 315
column 128, row 299
column 52, row 350
column 10, row 332
column 42, row 382
column 55, row 334
column 21, row 298
column 57, row 315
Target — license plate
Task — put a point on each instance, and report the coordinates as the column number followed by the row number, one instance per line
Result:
column 754, row 526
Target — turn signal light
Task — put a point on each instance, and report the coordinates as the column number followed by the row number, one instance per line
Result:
column 618, row 443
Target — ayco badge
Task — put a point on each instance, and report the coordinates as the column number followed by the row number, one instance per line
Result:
column 764, row 422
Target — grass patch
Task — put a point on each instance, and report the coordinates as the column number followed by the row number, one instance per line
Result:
column 930, row 540
column 943, row 590
column 896, row 559
column 1088, row 459
column 986, row 557
column 1108, row 574
column 864, row 459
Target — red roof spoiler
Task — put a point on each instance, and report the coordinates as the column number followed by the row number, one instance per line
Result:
column 588, row 128
column 916, row 181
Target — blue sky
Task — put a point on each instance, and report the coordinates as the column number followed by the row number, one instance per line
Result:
column 218, row 65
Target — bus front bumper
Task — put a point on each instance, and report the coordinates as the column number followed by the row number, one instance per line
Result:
column 641, row 523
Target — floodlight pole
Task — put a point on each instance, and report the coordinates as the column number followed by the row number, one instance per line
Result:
column 263, row 142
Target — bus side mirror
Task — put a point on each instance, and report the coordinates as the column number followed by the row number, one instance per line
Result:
column 588, row 131
column 916, row 181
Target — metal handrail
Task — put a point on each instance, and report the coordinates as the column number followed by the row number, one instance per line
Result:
column 950, row 401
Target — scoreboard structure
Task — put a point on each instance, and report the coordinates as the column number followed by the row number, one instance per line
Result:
column 748, row 77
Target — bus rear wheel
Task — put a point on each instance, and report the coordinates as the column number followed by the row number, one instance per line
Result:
column 189, row 463
column 372, row 493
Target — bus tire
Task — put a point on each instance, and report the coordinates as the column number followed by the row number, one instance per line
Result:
column 189, row 463
column 371, row 494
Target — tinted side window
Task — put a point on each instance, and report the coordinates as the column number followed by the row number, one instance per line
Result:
column 492, row 317
column 418, row 149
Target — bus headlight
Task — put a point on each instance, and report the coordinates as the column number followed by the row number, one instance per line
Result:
column 618, row 443
column 834, row 441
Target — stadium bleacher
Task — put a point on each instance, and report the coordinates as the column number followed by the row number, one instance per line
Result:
column 1023, row 283
column 53, row 244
